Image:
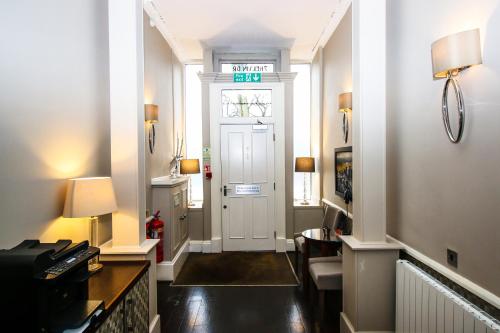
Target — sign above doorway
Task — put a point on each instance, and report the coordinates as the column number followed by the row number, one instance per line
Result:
column 247, row 77
column 247, row 68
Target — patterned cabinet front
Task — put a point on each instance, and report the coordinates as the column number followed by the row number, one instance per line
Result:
column 137, row 307
column 115, row 322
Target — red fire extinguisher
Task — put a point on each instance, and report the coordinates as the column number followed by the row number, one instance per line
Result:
column 154, row 230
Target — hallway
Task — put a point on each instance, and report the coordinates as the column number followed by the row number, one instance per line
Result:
column 238, row 309
column 242, row 309
column 274, row 166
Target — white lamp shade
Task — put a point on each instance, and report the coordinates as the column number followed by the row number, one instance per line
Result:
column 89, row 197
column 456, row 52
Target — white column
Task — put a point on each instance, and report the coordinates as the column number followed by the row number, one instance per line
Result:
column 126, row 76
column 369, row 262
column 369, row 119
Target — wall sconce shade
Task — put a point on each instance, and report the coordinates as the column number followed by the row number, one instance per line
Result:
column 345, row 102
column 304, row 164
column 151, row 116
column 190, row 166
column 345, row 105
column 87, row 197
column 151, row 113
column 456, row 52
column 450, row 55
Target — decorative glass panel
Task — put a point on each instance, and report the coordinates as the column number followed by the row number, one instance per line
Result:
column 247, row 68
column 246, row 103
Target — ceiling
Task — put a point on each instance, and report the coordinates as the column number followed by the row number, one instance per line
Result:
column 254, row 24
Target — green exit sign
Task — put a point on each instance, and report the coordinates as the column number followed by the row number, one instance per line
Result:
column 247, row 77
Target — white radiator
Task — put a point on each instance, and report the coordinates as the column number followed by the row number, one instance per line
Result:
column 424, row 304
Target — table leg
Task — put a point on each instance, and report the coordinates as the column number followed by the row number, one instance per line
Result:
column 305, row 267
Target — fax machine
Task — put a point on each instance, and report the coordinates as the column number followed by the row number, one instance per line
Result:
column 44, row 286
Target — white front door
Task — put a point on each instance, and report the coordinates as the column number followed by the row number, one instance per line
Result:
column 247, row 174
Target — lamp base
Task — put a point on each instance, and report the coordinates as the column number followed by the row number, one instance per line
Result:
column 305, row 203
column 95, row 267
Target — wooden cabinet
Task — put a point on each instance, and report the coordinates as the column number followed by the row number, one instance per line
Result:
column 129, row 312
column 172, row 202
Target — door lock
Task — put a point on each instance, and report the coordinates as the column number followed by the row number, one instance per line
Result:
column 225, row 206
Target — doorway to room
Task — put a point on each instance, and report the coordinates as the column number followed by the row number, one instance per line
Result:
column 247, row 141
column 247, row 161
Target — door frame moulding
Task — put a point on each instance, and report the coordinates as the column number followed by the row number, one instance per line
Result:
column 278, row 120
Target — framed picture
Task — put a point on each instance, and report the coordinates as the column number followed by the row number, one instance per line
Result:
column 343, row 170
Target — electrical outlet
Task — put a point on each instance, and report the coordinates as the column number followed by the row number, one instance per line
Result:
column 452, row 257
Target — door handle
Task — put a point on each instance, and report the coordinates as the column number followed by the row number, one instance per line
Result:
column 226, row 190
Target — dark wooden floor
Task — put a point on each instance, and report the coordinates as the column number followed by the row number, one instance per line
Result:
column 242, row 309
column 238, row 310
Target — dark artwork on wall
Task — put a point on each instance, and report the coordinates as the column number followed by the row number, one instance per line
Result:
column 343, row 170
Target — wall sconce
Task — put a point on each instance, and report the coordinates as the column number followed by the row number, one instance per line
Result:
column 345, row 105
column 151, row 117
column 451, row 55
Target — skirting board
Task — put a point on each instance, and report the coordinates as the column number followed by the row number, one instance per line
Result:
column 168, row 270
column 281, row 244
column 204, row 246
column 346, row 326
column 216, row 246
column 290, row 245
column 154, row 326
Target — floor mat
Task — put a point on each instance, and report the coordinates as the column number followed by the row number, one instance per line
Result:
column 236, row 269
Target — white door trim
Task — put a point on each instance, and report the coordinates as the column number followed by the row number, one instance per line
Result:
column 278, row 119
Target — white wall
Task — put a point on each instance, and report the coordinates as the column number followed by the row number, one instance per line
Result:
column 442, row 195
column 337, row 79
column 54, row 113
column 163, row 86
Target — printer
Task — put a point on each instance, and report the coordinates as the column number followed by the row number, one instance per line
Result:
column 44, row 287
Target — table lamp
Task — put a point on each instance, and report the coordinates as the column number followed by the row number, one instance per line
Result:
column 90, row 197
column 189, row 167
column 304, row 164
